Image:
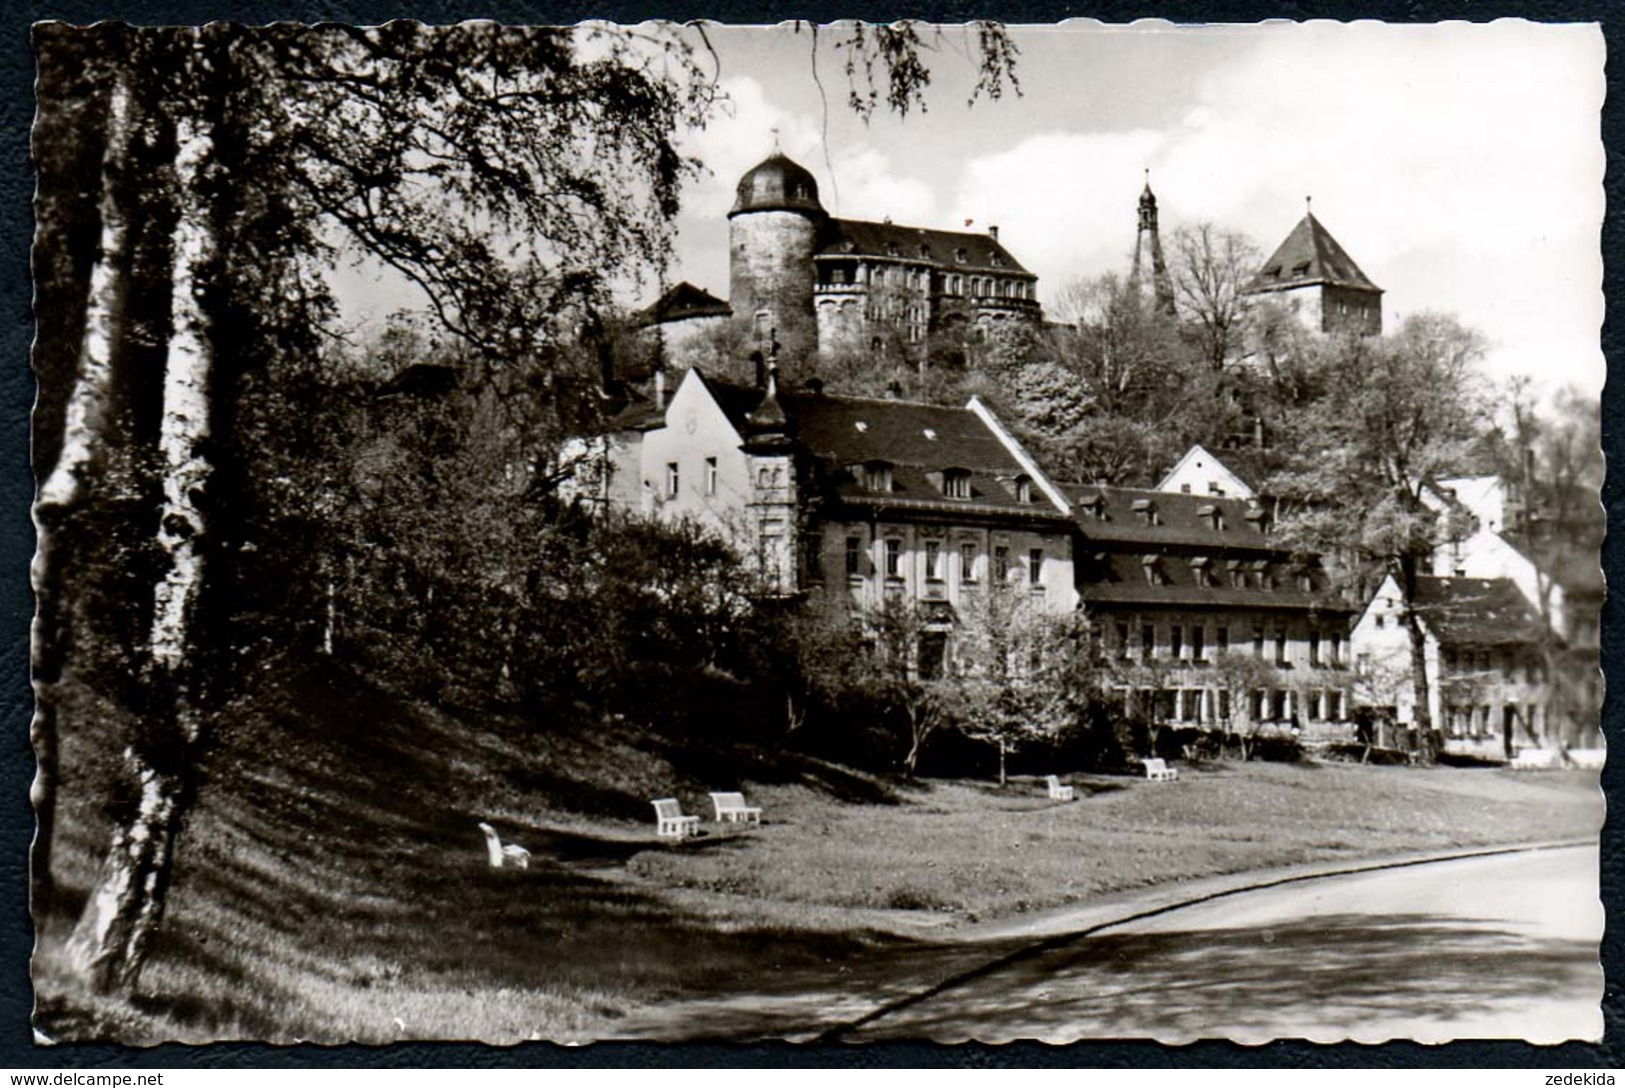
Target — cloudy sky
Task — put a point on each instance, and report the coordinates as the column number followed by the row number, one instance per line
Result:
column 1460, row 165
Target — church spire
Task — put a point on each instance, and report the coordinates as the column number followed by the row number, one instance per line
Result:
column 1148, row 248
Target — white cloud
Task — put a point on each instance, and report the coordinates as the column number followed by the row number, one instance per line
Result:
column 1460, row 165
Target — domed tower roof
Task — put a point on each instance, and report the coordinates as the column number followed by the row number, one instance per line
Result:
column 777, row 184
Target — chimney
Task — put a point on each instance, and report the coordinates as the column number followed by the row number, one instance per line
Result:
column 660, row 387
column 993, row 232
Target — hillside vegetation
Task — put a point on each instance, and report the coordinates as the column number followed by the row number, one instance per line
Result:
column 332, row 884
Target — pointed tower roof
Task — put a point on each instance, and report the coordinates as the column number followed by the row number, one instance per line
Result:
column 1310, row 256
column 1148, row 249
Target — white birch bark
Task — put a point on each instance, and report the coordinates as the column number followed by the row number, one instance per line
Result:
column 87, row 403
column 67, row 482
column 185, row 424
column 109, row 944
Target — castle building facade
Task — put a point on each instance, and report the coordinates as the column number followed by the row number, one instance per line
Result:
column 818, row 285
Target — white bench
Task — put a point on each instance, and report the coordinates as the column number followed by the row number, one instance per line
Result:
column 1534, row 759
column 1058, row 792
column 500, row 856
column 1158, row 771
column 731, row 809
column 670, row 822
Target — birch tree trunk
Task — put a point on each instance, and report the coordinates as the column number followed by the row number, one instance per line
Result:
column 110, row 942
column 65, row 486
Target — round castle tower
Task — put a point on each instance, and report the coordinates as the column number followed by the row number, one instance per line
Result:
column 773, row 232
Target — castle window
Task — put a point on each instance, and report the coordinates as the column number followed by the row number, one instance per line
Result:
column 996, row 261
column 933, row 561
column 1001, row 565
column 925, row 251
column 1147, row 510
column 1096, row 505
column 1035, row 566
column 1200, row 566
column 813, row 557
column 891, row 249
column 877, row 476
column 956, row 483
column 837, row 275
column 1154, row 574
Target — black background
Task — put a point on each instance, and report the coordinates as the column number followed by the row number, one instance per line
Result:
column 16, row 548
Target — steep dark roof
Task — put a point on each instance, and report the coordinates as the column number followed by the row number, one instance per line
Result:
column 679, row 303
column 777, row 183
column 1180, row 519
column 1119, row 578
column 918, row 441
column 983, row 252
column 1476, row 611
column 1310, row 255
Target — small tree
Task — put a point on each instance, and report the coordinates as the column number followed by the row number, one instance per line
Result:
column 1240, row 676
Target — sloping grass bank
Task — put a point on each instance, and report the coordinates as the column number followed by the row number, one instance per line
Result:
column 332, row 886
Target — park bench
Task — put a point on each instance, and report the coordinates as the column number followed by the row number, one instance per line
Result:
column 500, row 856
column 1534, row 759
column 670, row 822
column 1058, row 792
column 731, row 809
column 1158, row 771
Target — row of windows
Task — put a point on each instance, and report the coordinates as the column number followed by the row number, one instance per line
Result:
column 920, row 280
column 877, row 476
column 1488, row 661
column 1325, row 651
column 1206, row 705
column 674, row 477
column 1254, row 575
column 934, row 557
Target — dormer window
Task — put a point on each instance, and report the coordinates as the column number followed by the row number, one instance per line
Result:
column 877, row 476
column 1273, row 272
column 960, row 255
column 1095, row 505
column 956, row 483
column 1154, row 574
column 930, row 433
column 1256, row 515
column 1146, row 510
column 860, row 426
column 892, row 250
column 1211, row 514
column 1024, row 489
column 1301, row 268
column 925, row 252
column 1201, row 567
column 996, row 261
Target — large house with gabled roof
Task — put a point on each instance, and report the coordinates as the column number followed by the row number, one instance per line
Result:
column 863, row 501
column 1488, row 683
column 1202, row 606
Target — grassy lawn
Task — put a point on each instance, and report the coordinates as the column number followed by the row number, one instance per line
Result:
column 332, row 886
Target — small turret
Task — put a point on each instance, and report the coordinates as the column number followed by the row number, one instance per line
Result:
column 1148, row 247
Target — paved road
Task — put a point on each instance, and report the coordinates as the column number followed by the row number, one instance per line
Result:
column 1501, row 946
column 1489, row 947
